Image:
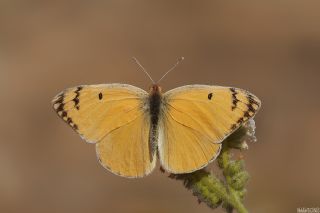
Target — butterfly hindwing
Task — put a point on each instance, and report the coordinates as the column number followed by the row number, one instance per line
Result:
column 126, row 151
column 110, row 115
column 196, row 119
column 182, row 149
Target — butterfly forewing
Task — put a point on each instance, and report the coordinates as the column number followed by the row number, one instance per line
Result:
column 93, row 111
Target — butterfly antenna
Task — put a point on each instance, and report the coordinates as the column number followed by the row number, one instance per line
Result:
column 172, row 68
column 142, row 68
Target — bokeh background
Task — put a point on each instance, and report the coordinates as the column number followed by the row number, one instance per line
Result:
column 271, row 48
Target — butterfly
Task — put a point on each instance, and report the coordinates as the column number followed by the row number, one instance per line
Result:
column 131, row 128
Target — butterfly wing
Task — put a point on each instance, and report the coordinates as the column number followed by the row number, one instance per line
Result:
column 196, row 119
column 126, row 150
column 114, row 117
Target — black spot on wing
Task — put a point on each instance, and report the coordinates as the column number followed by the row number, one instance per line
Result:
column 249, row 113
column 100, row 96
column 246, row 115
column 59, row 99
column 250, row 108
column 75, row 127
column 253, row 102
column 69, row 120
column 58, row 106
column 76, row 99
column 210, row 96
column 235, row 100
column 64, row 114
column 234, row 126
column 240, row 120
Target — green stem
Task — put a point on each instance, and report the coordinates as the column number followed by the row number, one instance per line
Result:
column 234, row 200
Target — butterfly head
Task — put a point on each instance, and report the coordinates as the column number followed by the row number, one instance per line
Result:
column 155, row 88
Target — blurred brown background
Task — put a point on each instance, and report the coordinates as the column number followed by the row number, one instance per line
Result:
column 271, row 48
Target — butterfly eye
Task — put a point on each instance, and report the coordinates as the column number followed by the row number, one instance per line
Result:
column 210, row 96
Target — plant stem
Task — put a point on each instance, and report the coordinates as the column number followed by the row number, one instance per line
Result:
column 233, row 200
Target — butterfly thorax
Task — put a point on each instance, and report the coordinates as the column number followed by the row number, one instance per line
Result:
column 155, row 98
